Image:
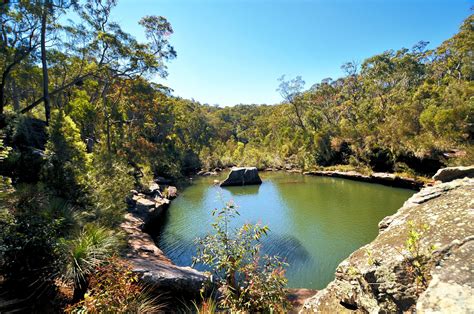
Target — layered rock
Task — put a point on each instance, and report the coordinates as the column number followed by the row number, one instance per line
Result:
column 380, row 276
column 153, row 267
column 451, row 173
column 242, row 176
column 376, row 177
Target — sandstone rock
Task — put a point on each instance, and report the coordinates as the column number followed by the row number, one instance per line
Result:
column 376, row 277
column 144, row 204
column 147, row 208
column 242, row 176
column 154, row 268
column 376, row 177
column 451, row 288
column 451, row 173
column 153, row 188
column 172, row 192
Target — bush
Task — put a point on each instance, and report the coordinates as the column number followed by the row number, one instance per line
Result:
column 114, row 288
column 67, row 162
column 84, row 253
column 32, row 222
column 248, row 282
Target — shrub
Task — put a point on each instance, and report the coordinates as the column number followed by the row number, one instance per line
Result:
column 86, row 252
column 248, row 282
column 32, row 221
column 67, row 162
column 417, row 258
column 114, row 288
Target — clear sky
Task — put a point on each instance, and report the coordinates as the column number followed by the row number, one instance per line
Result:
column 233, row 51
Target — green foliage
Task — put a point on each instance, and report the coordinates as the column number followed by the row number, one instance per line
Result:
column 248, row 282
column 32, row 222
column 417, row 255
column 108, row 181
column 114, row 288
column 83, row 253
column 397, row 110
column 67, row 162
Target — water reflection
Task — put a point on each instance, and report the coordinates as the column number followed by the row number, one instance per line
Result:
column 315, row 222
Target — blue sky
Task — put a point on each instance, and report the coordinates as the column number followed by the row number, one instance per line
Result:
column 232, row 52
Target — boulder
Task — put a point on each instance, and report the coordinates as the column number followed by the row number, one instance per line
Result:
column 379, row 277
column 451, row 173
column 172, row 192
column 242, row 176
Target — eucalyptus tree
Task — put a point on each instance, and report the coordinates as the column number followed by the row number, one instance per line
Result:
column 291, row 90
column 19, row 38
column 98, row 49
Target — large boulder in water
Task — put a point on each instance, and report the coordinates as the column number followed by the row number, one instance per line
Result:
column 242, row 176
column 452, row 173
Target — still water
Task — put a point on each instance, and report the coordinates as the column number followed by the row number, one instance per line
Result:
column 315, row 222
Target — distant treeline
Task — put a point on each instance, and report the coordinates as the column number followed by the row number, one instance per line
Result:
column 82, row 123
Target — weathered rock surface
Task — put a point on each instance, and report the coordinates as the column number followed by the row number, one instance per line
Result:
column 376, row 177
column 451, row 173
column 153, row 267
column 242, row 176
column 376, row 277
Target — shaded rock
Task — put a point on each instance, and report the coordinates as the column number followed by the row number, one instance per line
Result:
column 162, row 180
column 298, row 296
column 148, row 209
column 242, row 176
column 376, row 277
column 451, row 173
column 153, row 267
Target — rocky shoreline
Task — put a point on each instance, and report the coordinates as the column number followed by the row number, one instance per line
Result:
column 382, row 277
column 154, row 268
column 388, row 179
column 383, row 178
column 360, row 285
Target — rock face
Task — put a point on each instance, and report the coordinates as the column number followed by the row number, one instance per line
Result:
column 380, row 278
column 153, row 267
column 242, row 176
column 451, row 173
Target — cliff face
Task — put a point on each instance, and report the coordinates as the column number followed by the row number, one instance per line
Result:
column 387, row 276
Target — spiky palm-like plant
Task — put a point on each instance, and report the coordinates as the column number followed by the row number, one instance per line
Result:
column 84, row 253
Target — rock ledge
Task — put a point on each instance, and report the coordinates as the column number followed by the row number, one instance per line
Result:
column 152, row 265
column 375, row 278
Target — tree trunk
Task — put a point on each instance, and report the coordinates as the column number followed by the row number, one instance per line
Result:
column 298, row 115
column 15, row 96
column 44, row 64
column 106, row 115
column 2, row 96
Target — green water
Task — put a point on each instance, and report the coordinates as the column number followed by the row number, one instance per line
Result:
column 315, row 222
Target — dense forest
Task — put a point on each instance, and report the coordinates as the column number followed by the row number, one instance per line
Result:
column 82, row 123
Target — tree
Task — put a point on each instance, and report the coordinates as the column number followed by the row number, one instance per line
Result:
column 250, row 282
column 19, row 25
column 290, row 91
